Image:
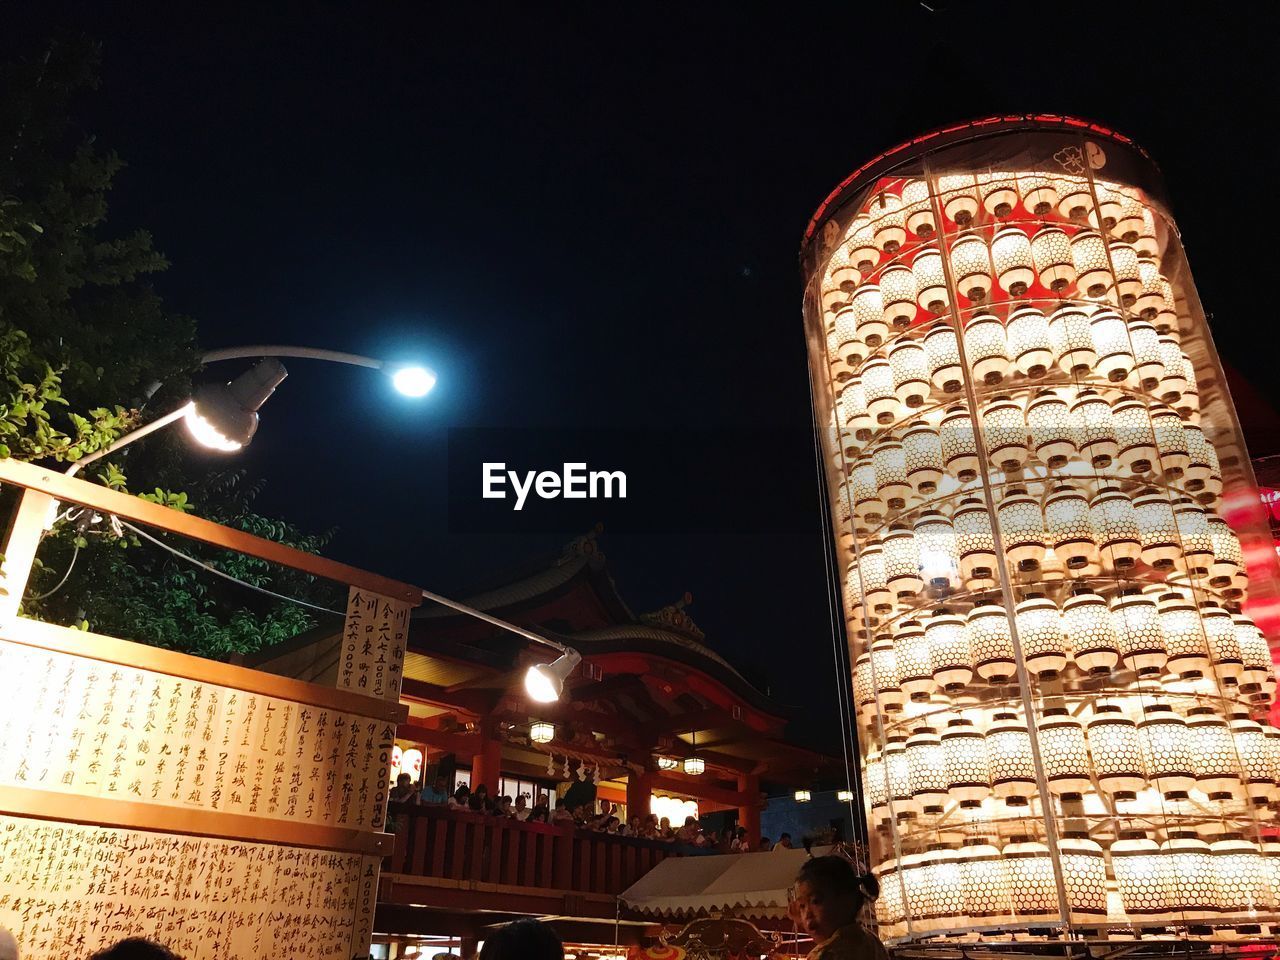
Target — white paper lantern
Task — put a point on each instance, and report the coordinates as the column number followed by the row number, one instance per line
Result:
column 877, row 381
column 890, row 461
column 888, row 221
column 884, row 669
column 891, row 910
column 922, row 447
column 927, row 765
column 1255, row 758
column 915, row 670
column 1031, row 885
column 1167, row 750
column 1111, row 344
column 1095, row 429
column 1242, row 879
column 1183, row 636
column 1222, row 643
column 1160, row 544
column 959, row 445
column 1039, row 193
column 1030, row 347
column 863, row 252
column 902, row 562
column 1014, row 264
column 1142, row 877
column 991, row 642
column 910, row 367
column 949, row 650
column 1066, row 516
column 848, row 344
column 853, row 599
column 1052, row 432
column 1021, row 528
column 918, row 208
column 901, row 801
column 1072, row 340
column 898, row 294
column 985, row 349
column 1128, row 274
column 1084, row 876
column 975, row 543
column 1258, row 670
column 1110, row 203
column 1193, row 536
column 1075, row 197
column 1093, row 270
column 966, row 764
column 1135, row 618
column 1174, row 381
column 936, row 543
column 971, row 267
column 931, row 284
column 1115, row 525
column 1200, row 458
column 1086, row 619
column 985, row 882
column 868, row 311
column 1148, row 301
column 853, row 405
column 1013, row 774
column 875, row 584
column 1004, row 430
column 1192, row 890
column 1040, row 634
column 875, row 784
column 959, row 197
column 1148, row 362
column 1136, row 440
column 1166, row 320
column 1171, row 442
column 1063, row 753
column 1116, row 752
column 945, row 371
column 1146, row 242
column 1214, row 755
column 999, row 192
column 864, row 487
column 835, row 359
column 841, row 270
column 1051, row 251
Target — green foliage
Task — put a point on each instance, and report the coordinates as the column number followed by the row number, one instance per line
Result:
column 88, row 351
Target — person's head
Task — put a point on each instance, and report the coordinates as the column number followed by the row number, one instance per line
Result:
column 506, row 802
column 785, row 841
column 612, row 823
column 523, row 940
column 634, row 823
column 828, row 895
column 439, row 784
column 403, row 780
column 135, row 948
column 742, row 833
column 482, row 792
column 8, row 945
column 520, row 802
column 765, row 843
column 542, row 800
column 665, row 823
column 462, row 793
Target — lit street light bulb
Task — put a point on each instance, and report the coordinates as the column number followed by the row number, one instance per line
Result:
column 414, row 381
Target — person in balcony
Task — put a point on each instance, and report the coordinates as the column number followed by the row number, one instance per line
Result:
column 480, row 801
column 827, row 901
column 505, row 808
column 664, row 829
column 635, row 827
column 565, row 816
column 437, row 795
column 784, row 842
column 541, row 812
column 690, row 833
column 521, row 810
column 740, row 842
column 404, row 791
column 461, row 799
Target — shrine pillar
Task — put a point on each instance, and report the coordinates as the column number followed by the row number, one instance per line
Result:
column 639, row 792
column 486, row 765
column 749, row 809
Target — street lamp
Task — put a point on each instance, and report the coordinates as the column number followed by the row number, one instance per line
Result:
column 544, row 682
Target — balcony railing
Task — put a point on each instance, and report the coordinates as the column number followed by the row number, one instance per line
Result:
column 454, row 845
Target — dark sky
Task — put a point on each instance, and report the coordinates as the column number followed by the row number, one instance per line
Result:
column 585, row 215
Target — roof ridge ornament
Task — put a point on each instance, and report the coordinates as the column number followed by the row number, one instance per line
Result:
column 584, row 546
column 673, row 616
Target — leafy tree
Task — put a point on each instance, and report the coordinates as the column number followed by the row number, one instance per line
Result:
column 88, row 351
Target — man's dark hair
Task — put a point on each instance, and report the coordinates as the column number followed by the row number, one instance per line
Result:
column 135, row 948
column 523, row 940
column 836, row 875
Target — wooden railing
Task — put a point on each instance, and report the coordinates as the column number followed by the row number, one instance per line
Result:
column 453, row 845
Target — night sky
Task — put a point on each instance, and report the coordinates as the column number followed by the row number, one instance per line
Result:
column 587, row 216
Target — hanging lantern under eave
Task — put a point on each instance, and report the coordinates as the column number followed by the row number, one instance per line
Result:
column 1094, row 429
column 1116, row 751
column 667, row 763
column 901, row 801
column 1111, row 343
column 1066, row 516
column 1134, row 436
column 1174, row 381
column 931, row 283
column 848, row 344
column 694, row 766
column 986, row 349
column 1052, row 436
column 1136, row 621
column 1194, row 538
column 1021, row 528
column 875, row 583
column 864, row 688
column 1075, row 197
column 1063, row 753
column 898, row 294
column 943, row 353
column 1013, row 261
column 922, row 447
column 888, row 222
column 864, row 487
column 1167, row 751
column 971, row 267
column 1191, row 892
column 1166, row 320
column 1072, row 340
column 999, row 192
column 1200, row 458
column 1030, row 348
column 1142, row 877
column 542, row 732
column 918, row 208
column 859, row 239
column 975, row 543
column 1148, row 301
column 1013, row 775
column 1110, row 202
column 915, row 668
column 868, row 312
column 910, row 367
column 853, row 404
column 1127, row 273
column 1087, row 623
column 1039, row 193
column 1031, row 885
column 959, row 444
column 835, row 359
column 1044, row 646
column 1130, row 223
column 949, row 651
column 1213, row 751
column 991, row 642
column 875, row 785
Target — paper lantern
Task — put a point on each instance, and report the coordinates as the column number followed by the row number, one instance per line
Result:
column 936, row 543
column 875, row 583
column 863, row 252
column 853, row 595
column 1095, row 429
column 1066, row 516
column 1039, row 193
column 877, row 381
column 1134, row 436
column 1254, row 754
column 1159, row 530
column 844, row 796
column 927, row 765
column 1084, row 876
column 986, row 350
column 1051, row 251
column 1167, row 750
column 1171, row 442
column 836, row 363
column 991, row 642
column 1086, row 619
column 1063, row 753
column 884, row 671
column 1174, row 381
column 922, row 448
column 1004, row 430
column 915, row 670
column 694, row 766
column 943, row 880
column 1188, row 402
column 1030, row 348
column 1148, row 301
column 1129, row 219
column 1257, row 669
column 1111, row 344
column 999, row 193
column 848, row 343
column 975, row 542
column 1142, row 877
column 1192, row 889
column 959, row 445
column 1093, row 271
column 891, row 910
column 949, row 650
column 898, row 294
column 1013, row 774
column 971, row 267
column 542, row 732
column 1193, row 535
column 888, row 221
column 1148, row 360
column 959, row 197
column 916, row 888
column 1166, row 320
column 1109, row 204
column 1183, row 636
column 1200, row 458
column 1072, row 340
column 875, row 784
column 910, row 367
column 1222, row 643
column 1115, row 527
column 966, row 762
column 945, row 370
column 1044, row 646
column 918, row 208
column 890, row 460
column 803, row 796
column 1021, row 528
column 1272, row 737
column 1031, row 886
column 868, row 312
column 1127, row 273
column 1075, row 197
column 853, row 404
column 864, row 487
column 901, row 802
column 1242, row 879
column 931, row 283
column 841, row 270
column 1214, row 755
column 1013, row 261
column 667, row 763
column 1135, row 619
column 902, row 562
column 984, row 879
column 1052, row 431
column 1116, row 751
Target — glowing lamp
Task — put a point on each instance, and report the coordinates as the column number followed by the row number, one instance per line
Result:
column 1136, row 621
column 1214, row 754
column 868, row 312
column 877, row 381
column 902, row 562
column 860, row 242
column 1148, row 367
column 1255, row 758
column 966, row 763
column 1044, row 646
column 890, row 461
column 1127, row 272
column 959, row 444
column 984, row 881
column 985, row 349
column 1021, row 528
column 225, row 416
column 949, row 652
column 1004, row 429
column 936, row 543
column 413, row 381
column 1075, row 198
column 875, row 582
column 1116, row 751
column 1166, row 320
column 1093, row 270
column 1110, row 204
column 841, row 271
column 1051, row 251
column 1013, row 774
column 544, row 682
column 1257, row 668
column 1086, row 619
column 844, row 796
column 975, row 543
column 1013, row 261
column 910, row 368
column 803, row 796
column 1130, row 222
column 849, row 344
column 1183, row 636
column 864, row 488
column 864, row 688
column 945, row 371
column 971, row 267
column 1030, row 347
column 1171, row 442
column 1134, row 436
column 918, row 210
column 926, row 765
column 668, row 763
column 890, row 907
column 922, row 448
column 853, row 406
column 915, row 670
column 888, row 221
column 959, row 197
column 1222, row 643
column 898, row 294
column 1094, row 428
column 1084, row 876
column 1066, row 516
column 1111, row 344
column 884, row 670
column 1039, row 193
column 1052, row 433
column 931, row 284
column 1031, row 887
column 875, row 784
column 1174, row 381
column 1160, row 544
column 1167, row 750
column 542, row 732
column 1148, row 300
column 1194, row 537
column 1191, row 893
column 1142, row 877
column 1242, row 878
column 999, row 193
column 694, row 766
column 895, row 761
column 1072, row 340
column 1063, row 753
column 1200, row 458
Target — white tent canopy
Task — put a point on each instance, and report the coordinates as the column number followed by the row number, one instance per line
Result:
column 743, row 884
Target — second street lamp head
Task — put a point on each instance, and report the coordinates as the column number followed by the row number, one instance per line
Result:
column 544, row 682
column 413, row 381
column 225, row 416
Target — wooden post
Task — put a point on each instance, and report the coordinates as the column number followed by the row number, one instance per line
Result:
column 639, row 790
column 26, row 527
column 749, row 811
column 486, row 766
